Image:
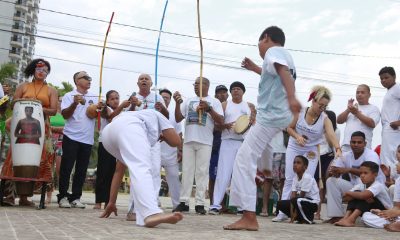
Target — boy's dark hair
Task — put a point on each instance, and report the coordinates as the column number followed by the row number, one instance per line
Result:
column 371, row 165
column 30, row 69
column 388, row 70
column 165, row 90
column 358, row 134
column 304, row 159
column 275, row 33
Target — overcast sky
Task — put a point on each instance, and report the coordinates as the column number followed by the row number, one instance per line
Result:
column 352, row 27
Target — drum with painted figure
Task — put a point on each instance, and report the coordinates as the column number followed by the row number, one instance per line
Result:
column 242, row 124
column 27, row 139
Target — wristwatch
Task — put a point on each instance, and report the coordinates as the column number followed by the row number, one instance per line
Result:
column 209, row 109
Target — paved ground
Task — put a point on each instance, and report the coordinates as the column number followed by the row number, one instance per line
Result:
column 56, row 223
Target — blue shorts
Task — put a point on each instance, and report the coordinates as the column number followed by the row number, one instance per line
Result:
column 212, row 172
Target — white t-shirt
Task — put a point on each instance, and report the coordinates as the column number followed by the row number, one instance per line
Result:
column 348, row 161
column 378, row 190
column 232, row 112
column 195, row 131
column 79, row 127
column 169, row 153
column 308, row 185
column 149, row 101
column 273, row 108
column 391, row 108
column 354, row 124
column 396, row 196
column 153, row 122
column 277, row 143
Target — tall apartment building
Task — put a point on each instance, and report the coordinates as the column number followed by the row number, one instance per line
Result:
column 18, row 20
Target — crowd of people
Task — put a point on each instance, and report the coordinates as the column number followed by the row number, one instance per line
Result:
column 299, row 146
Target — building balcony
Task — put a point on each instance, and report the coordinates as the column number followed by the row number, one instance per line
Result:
column 16, row 42
column 17, row 29
column 30, row 3
column 15, row 55
column 21, row 7
column 29, row 17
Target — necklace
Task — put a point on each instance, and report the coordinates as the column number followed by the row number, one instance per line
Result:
column 40, row 89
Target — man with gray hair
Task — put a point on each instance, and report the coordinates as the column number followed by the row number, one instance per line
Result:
column 201, row 114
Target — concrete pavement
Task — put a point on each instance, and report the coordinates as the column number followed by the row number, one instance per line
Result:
column 54, row 223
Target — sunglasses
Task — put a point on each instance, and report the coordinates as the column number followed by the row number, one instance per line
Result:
column 87, row 78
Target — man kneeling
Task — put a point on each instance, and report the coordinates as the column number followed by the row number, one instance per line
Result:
column 129, row 138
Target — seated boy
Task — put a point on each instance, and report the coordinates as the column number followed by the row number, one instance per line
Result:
column 363, row 197
column 388, row 219
column 304, row 199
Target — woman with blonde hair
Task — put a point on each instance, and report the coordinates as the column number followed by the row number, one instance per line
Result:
column 306, row 132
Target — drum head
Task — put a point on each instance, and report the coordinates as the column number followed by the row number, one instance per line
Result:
column 242, row 124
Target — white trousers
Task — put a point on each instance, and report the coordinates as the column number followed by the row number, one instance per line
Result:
column 289, row 174
column 172, row 175
column 390, row 141
column 335, row 188
column 195, row 164
column 256, row 150
column 374, row 221
column 155, row 152
column 129, row 144
column 227, row 155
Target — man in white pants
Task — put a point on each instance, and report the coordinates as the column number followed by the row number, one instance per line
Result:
column 348, row 164
column 276, row 103
column 361, row 116
column 129, row 138
column 197, row 144
column 231, row 142
column 169, row 155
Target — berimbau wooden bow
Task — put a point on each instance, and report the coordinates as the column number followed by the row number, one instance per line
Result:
column 158, row 46
column 201, row 59
column 101, row 68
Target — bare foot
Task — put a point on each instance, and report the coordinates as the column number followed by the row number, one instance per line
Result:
column 97, row 206
column 130, row 216
column 171, row 218
column 393, row 227
column 247, row 222
column 344, row 223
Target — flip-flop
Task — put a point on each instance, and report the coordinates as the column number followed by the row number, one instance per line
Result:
column 263, row 214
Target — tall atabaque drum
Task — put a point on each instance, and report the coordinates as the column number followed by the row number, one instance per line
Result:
column 27, row 138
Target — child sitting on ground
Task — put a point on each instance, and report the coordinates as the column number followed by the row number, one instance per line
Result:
column 388, row 219
column 304, row 198
column 363, row 197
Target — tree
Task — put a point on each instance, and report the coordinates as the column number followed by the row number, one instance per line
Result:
column 66, row 87
column 6, row 71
